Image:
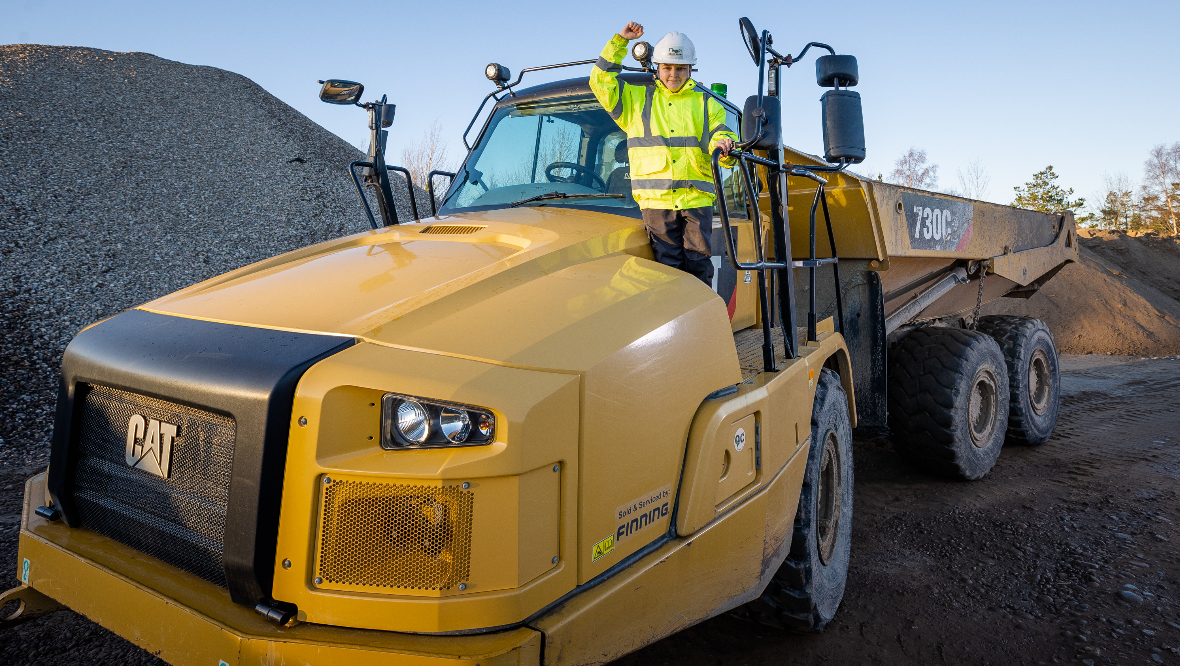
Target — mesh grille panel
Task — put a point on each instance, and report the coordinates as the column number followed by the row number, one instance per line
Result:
column 179, row 519
column 451, row 229
column 391, row 535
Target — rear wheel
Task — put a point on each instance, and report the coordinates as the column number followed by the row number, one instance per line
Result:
column 948, row 406
column 1033, row 375
column 807, row 589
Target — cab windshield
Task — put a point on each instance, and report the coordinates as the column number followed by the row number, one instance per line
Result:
column 568, row 146
column 546, row 149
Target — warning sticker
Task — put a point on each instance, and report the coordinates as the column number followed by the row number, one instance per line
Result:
column 602, row 548
column 641, row 513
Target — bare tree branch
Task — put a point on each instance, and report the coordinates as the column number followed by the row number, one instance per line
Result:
column 911, row 170
column 974, row 180
column 427, row 154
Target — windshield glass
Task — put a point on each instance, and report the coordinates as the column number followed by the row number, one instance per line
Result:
column 569, row 146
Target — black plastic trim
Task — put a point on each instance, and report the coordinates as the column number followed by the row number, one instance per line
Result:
column 247, row 373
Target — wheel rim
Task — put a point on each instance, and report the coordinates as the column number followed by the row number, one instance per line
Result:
column 982, row 408
column 828, row 500
column 1040, row 382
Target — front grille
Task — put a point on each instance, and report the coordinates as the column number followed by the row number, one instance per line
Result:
column 395, row 535
column 452, row 229
column 179, row 519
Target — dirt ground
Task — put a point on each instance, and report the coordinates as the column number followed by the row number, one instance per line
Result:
column 1065, row 553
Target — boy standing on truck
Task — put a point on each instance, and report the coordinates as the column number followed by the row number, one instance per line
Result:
column 672, row 130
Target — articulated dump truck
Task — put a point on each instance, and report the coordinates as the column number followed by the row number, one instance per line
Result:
column 504, row 434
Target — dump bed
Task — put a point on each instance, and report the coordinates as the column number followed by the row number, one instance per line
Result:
column 908, row 255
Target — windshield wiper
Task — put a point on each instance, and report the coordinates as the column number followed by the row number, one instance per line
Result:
column 562, row 195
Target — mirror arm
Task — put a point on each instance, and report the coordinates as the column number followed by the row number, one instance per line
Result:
column 809, row 45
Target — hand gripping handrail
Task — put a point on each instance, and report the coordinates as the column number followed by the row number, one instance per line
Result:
column 761, row 263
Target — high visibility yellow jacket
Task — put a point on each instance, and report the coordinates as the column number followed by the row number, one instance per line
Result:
column 670, row 135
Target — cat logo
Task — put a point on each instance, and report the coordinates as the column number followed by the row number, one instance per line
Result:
column 149, row 445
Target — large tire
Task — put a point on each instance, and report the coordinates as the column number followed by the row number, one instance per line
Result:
column 806, row 591
column 947, row 406
column 1034, row 376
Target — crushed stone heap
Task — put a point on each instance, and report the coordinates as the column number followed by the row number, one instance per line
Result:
column 123, row 177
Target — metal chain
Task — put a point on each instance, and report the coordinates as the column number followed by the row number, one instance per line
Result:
column 979, row 298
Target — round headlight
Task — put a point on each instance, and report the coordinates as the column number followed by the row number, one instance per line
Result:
column 487, row 425
column 641, row 51
column 456, row 425
column 412, row 421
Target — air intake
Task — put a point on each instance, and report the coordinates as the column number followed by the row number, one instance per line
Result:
column 452, row 229
column 395, row 535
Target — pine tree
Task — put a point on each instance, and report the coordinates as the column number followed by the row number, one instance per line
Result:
column 1042, row 193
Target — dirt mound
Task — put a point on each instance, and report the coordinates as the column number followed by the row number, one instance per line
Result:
column 123, row 177
column 1122, row 298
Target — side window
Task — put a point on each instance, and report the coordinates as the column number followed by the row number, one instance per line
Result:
column 614, row 153
column 732, row 185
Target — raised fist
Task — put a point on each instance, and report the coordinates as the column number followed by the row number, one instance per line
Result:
column 631, row 31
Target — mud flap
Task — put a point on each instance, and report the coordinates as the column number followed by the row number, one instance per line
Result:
column 865, row 334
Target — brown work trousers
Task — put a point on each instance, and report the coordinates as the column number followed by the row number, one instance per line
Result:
column 682, row 239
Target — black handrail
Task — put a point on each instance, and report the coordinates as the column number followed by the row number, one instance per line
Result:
column 813, row 263
column 730, row 245
column 507, row 87
column 409, row 186
column 430, row 187
column 356, row 181
column 761, row 264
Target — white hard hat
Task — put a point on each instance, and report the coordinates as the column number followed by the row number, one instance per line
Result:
column 674, row 49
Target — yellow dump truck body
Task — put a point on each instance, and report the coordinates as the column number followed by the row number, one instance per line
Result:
column 600, row 494
column 644, row 453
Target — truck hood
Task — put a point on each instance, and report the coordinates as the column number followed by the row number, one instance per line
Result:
column 490, row 285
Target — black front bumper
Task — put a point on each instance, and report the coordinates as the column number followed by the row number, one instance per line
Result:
column 226, row 391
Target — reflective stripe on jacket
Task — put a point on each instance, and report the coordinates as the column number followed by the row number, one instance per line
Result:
column 670, row 135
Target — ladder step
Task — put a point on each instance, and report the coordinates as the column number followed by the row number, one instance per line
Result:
column 814, row 263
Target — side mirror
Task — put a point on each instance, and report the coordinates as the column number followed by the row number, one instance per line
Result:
column 337, row 91
column 844, row 127
column 750, row 37
column 836, row 70
column 772, row 124
column 387, row 111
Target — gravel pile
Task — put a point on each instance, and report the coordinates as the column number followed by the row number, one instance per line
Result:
column 123, row 177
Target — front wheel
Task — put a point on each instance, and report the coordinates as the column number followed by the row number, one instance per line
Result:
column 807, row 589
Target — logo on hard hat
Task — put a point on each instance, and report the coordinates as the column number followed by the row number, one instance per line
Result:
column 675, row 51
column 149, row 445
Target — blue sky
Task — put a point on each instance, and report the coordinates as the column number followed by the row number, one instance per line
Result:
column 1088, row 87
